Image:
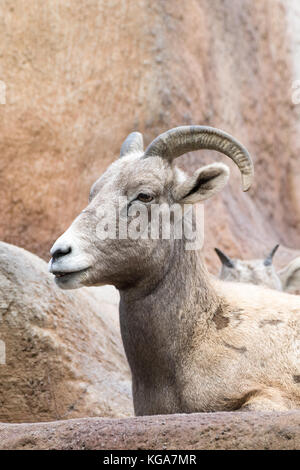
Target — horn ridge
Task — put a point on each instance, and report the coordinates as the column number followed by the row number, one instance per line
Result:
column 180, row 140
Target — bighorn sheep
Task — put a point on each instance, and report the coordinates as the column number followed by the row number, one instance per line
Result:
column 261, row 272
column 194, row 343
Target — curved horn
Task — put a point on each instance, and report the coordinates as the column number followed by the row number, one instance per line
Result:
column 133, row 143
column 180, row 140
column 224, row 258
column 269, row 259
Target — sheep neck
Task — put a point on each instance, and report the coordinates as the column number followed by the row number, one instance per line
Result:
column 158, row 326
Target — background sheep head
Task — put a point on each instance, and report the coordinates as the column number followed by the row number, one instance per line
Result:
column 261, row 272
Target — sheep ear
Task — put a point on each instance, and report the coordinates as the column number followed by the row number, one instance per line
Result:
column 290, row 276
column 205, row 182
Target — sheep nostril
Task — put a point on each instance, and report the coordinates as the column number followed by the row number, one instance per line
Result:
column 60, row 252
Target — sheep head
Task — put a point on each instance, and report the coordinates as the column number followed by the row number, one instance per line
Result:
column 139, row 179
column 261, row 272
column 257, row 271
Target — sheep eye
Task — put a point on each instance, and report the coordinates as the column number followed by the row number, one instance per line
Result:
column 143, row 197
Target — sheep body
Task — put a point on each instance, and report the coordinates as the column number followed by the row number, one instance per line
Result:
column 193, row 343
column 224, row 346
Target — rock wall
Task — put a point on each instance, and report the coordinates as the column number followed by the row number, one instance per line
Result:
column 80, row 76
column 63, row 353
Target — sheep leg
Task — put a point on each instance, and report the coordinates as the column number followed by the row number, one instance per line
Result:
column 266, row 400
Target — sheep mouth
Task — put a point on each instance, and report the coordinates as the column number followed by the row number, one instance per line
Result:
column 63, row 276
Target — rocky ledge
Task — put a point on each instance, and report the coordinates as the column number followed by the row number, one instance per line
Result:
column 194, row 431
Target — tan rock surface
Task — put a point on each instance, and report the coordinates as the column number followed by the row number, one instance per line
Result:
column 64, row 356
column 81, row 76
column 242, row 431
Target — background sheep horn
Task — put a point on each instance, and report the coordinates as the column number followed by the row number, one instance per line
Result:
column 180, row 140
column 224, row 258
column 269, row 259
